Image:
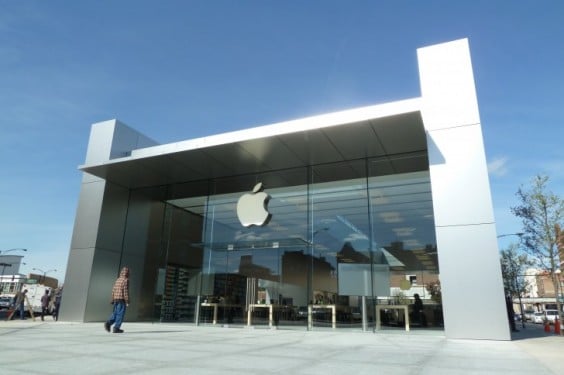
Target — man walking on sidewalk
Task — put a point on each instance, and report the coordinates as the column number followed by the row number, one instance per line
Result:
column 45, row 299
column 120, row 300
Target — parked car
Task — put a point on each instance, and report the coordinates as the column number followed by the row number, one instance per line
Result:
column 517, row 317
column 551, row 315
column 538, row 317
column 5, row 302
column 301, row 313
column 529, row 314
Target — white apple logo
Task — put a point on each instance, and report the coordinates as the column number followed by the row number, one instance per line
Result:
column 251, row 207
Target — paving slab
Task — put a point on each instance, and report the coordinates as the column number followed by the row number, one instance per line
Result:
column 50, row 347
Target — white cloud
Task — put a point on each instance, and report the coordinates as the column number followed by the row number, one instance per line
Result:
column 498, row 167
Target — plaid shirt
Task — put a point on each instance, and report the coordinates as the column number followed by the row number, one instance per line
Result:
column 120, row 290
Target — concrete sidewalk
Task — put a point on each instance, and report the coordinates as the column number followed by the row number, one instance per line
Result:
column 33, row 347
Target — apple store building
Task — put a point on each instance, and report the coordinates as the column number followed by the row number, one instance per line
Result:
column 374, row 219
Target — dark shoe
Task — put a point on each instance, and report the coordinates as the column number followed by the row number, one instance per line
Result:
column 107, row 326
column 117, row 330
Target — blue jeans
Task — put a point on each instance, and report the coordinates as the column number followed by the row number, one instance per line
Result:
column 117, row 314
column 21, row 309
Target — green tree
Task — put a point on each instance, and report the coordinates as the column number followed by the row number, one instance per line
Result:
column 541, row 213
column 514, row 264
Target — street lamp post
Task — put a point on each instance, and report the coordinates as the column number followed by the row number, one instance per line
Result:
column 518, row 287
column 44, row 272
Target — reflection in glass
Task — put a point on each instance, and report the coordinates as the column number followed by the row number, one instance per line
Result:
column 343, row 239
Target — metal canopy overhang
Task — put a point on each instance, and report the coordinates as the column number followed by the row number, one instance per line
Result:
column 269, row 148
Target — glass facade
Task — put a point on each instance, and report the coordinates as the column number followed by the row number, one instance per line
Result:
column 354, row 231
column 346, row 244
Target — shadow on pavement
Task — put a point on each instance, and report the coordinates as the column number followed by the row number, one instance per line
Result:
column 531, row 331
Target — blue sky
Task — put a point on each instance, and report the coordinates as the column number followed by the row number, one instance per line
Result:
column 177, row 70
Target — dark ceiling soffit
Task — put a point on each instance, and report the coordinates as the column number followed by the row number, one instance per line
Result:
column 402, row 133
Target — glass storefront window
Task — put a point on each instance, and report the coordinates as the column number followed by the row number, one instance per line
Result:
column 403, row 230
column 341, row 248
column 341, row 240
column 255, row 274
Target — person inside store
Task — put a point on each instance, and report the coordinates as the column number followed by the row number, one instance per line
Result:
column 418, row 312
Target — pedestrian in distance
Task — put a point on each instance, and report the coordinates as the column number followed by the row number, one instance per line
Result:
column 57, row 303
column 19, row 303
column 45, row 299
column 120, row 300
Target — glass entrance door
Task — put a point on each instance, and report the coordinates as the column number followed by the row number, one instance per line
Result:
column 255, row 286
column 256, row 274
column 179, row 273
column 342, row 250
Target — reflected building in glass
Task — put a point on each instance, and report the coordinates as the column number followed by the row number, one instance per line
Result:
column 327, row 222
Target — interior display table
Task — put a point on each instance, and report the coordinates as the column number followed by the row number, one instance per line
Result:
column 403, row 308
